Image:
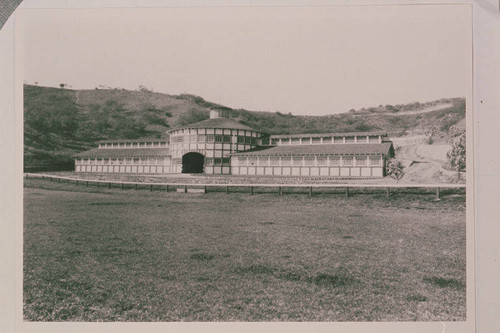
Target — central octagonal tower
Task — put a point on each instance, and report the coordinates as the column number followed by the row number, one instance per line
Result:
column 206, row 146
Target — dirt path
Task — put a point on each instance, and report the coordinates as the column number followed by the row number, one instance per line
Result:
column 426, row 110
column 424, row 163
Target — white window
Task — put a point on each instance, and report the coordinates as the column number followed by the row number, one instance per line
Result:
column 375, row 160
column 263, row 161
column 347, row 160
column 242, row 161
column 286, row 161
column 361, row 160
column 297, row 161
column 361, row 139
column 275, row 161
column 349, row 139
column 321, row 160
column 309, row 161
column 334, row 160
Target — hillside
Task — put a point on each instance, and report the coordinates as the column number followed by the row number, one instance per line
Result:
column 60, row 122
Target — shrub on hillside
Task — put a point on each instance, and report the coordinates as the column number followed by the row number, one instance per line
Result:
column 192, row 116
column 394, row 169
column 457, row 154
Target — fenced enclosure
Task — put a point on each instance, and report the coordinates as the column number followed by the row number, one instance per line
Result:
column 280, row 189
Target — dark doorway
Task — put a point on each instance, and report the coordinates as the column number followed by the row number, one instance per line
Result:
column 192, row 163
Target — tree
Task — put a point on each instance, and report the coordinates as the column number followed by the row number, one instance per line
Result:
column 144, row 89
column 191, row 116
column 456, row 156
column 395, row 169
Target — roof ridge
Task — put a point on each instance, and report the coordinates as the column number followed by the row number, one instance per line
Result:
column 216, row 123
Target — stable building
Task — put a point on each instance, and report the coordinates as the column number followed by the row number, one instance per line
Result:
column 224, row 146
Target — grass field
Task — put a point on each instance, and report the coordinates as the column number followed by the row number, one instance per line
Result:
column 94, row 254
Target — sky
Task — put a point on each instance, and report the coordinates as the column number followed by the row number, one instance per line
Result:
column 302, row 60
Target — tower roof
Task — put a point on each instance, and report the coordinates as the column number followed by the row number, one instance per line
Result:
column 217, row 123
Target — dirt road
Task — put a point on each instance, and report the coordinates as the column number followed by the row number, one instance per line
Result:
column 424, row 163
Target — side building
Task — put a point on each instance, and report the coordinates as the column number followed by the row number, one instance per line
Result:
column 224, row 146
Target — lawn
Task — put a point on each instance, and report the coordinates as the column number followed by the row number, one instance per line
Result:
column 98, row 254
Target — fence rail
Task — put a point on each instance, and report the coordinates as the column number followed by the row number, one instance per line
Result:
column 203, row 187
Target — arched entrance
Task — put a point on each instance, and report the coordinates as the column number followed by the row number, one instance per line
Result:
column 192, row 163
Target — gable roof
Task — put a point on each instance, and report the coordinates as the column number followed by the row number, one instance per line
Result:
column 217, row 123
column 385, row 148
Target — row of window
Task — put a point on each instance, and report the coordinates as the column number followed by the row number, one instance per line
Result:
column 124, row 161
column 248, row 161
column 217, row 161
column 225, row 131
column 308, row 161
column 207, row 149
column 321, row 140
column 133, row 145
column 209, row 138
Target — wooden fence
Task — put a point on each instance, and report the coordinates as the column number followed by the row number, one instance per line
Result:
column 250, row 188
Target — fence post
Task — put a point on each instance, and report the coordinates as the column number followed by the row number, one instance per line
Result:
column 280, row 191
column 122, row 186
column 151, row 188
column 347, row 192
column 136, row 187
column 388, row 192
column 97, row 184
column 77, row 182
column 185, row 188
column 251, row 190
column 167, row 187
column 204, row 189
column 310, row 191
column 87, row 183
column 227, row 189
column 437, row 194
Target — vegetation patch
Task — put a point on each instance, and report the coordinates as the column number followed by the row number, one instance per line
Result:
column 332, row 280
column 291, row 276
column 256, row 269
column 109, row 203
column 202, row 256
column 442, row 282
column 416, row 298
